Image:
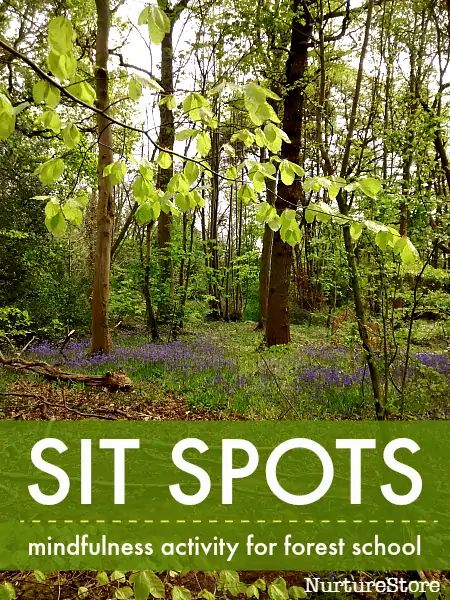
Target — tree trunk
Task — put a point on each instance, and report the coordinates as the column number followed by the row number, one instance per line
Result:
column 215, row 303
column 351, row 259
column 101, row 339
column 166, row 140
column 152, row 326
column 266, row 260
column 278, row 321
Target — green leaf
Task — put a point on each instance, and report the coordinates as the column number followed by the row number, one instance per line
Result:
column 274, row 223
column 142, row 189
column 83, row 592
column 50, row 171
column 206, row 595
column 272, row 133
column 278, row 590
column 185, row 134
column 39, row 576
column 246, row 194
column 244, row 136
column 145, row 583
column 197, row 107
column 56, row 224
column 259, row 182
column 191, row 171
column 118, row 576
column 158, row 24
column 229, row 582
column 52, row 208
column 143, row 16
column 178, row 183
column 310, row 212
column 297, row 593
column 198, row 198
column 333, row 190
column 7, row 591
column 260, row 583
column 203, row 144
column 254, row 94
column 170, row 101
column 185, row 201
column 370, row 186
column 81, row 198
column 324, row 212
column 7, row 117
column 311, row 184
column 124, row 593
column 217, row 89
column 146, row 170
column 409, row 253
column 164, row 160
column 383, row 239
column 72, row 212
column 273, row 138
column 83, row 91
column 63, row 66
column 102, row 578
column 289, row 229
column 148, row 211
column 356, row 229
column 50, row 120
column 263, row 113
column 252, row 591
column 181, row 593
column 115, row 171
column 268, row 169
column 229, row 150
column 263, row 212
column 134, row 88
column 60, row 35
column 45, row 92
column 231, row 173
column 71, row 135
column 287, row 173
column 167, row 206
column 260, row 138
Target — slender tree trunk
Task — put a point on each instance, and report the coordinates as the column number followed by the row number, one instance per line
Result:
column 101, row 339
column 266, row 261
column 213, row 250
column 278, row 320
column 166, row 140
column 152, row 325
column 185, row 288
column 350, row 252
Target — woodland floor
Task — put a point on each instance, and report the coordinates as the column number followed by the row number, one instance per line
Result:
column 216, row 372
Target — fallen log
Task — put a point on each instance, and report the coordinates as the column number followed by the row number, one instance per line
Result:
column 113, row 382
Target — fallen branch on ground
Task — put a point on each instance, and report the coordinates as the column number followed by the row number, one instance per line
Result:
column 113, row 382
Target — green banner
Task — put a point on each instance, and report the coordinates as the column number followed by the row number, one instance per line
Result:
column 224, row 495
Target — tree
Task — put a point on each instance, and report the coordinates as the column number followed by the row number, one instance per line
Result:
column 101, row 338
column 288, row 196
